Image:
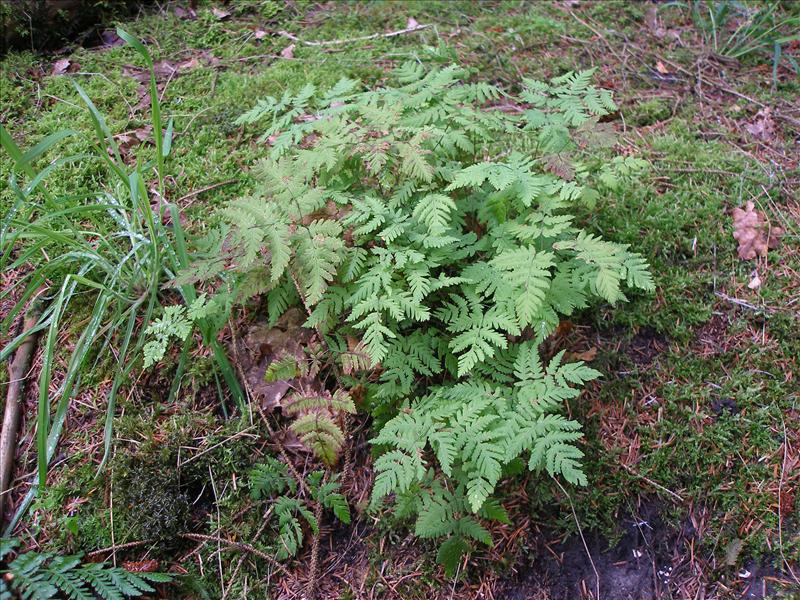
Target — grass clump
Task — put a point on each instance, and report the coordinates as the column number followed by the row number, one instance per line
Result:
column 116, row 245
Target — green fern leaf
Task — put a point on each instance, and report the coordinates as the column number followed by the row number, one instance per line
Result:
column 451, row 552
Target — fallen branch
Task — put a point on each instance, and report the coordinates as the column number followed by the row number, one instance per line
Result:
column 16, row 378
column 364, row 38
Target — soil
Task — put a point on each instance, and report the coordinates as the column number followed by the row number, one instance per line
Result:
column 651, row 561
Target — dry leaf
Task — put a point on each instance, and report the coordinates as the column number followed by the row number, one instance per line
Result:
column 763, row 126
column 60, row 66
column 262, row 344
column 411, row 23
column 753, row 232
column 755, row 281
column 130, row 139
column 141, row 566
column 183, row 13
column 288, row 52
column 732, row 551
column 189, row 64
column 651, row 18
column 661, row 68
column 559, row 164
column 220, row 14
column 586, row 356
column 259, row 34
column 111, row 39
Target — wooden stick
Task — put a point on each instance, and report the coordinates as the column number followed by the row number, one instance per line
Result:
column 17, row 371
column 373, row 36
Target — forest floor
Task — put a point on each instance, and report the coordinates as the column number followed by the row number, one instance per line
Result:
column 692, row 436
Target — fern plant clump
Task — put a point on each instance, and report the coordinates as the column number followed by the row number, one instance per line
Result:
column 427, row 228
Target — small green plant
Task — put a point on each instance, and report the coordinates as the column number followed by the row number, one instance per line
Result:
column 435, row 231
column 111, row 246
column 318, row 415
column 270, row 478
column 41, row 575
column 738, row 28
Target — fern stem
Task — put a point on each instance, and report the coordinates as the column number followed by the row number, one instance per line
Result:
column 311, row 587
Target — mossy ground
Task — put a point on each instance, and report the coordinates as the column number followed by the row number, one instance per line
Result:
column 698, row 411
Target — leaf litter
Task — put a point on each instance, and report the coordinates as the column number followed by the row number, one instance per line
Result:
column 753, row 232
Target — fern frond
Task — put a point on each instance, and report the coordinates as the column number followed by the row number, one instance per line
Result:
column 44, row 575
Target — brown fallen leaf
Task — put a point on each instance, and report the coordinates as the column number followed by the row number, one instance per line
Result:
column 130, row 139
column 189, row 64
column 111, row 39
column 753, row 232
column 586, row 356
column 288, row 52
column 661, row 68
column 220, row 14
column 60, row 66
column 411, row 23
column 183, row 13
column 755, row 281
column 261, row 345
column 653, row 22
column 141, row 566
column 260, row 34
column 762, row 126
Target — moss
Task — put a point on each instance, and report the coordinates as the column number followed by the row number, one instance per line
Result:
column 153, row 500
column 648, row 112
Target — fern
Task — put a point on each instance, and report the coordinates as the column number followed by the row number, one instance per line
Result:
column 176, row 322
column 316, row 423
column 431, row 238
column 45, row 575
column 291, row 513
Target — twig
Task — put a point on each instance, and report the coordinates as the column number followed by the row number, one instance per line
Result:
column 94, row 553
column 208, row 188
column 16, row 380
column 111, row 516
column 651, row 482
column 583, row 539
column 238, row 546
column 738, row 302
column 598, row 34
column 374, row 36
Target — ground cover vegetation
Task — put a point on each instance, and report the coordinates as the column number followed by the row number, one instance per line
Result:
column 305, row 301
